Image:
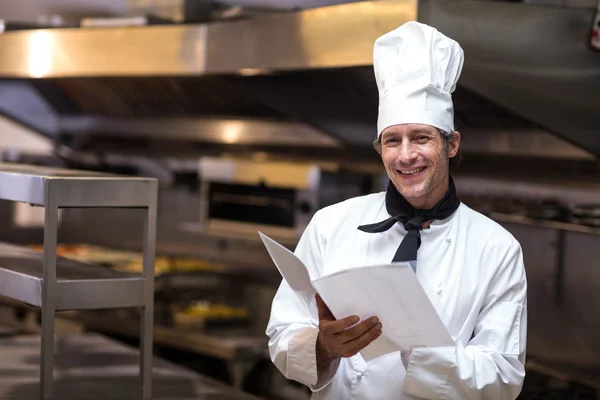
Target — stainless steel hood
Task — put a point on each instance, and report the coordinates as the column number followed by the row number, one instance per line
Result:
column 302, row 82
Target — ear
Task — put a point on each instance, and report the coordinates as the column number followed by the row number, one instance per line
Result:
column 454, row 145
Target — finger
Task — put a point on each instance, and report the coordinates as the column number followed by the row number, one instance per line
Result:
column 359, row 344
column 341, row 325
column 365, row 339
column 357, row 330
column 353, row 352
column 324, row 312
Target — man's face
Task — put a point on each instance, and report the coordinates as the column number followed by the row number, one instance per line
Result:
column 416, row 160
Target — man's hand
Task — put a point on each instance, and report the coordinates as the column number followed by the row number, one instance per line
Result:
column 344, row 337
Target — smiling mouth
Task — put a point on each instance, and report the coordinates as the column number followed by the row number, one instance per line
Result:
column 413, row 171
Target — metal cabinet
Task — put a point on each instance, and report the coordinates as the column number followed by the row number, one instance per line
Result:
column 541, row 253
column 563, row 277
column 579, row 306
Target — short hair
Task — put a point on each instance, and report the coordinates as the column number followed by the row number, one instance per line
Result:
column 447, row 136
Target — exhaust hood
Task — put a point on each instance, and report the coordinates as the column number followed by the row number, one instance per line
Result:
column 301, row 83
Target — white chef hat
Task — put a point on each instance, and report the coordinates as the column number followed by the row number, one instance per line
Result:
column 416, row 69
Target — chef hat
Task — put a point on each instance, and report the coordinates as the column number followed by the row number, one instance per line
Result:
column 416, row 69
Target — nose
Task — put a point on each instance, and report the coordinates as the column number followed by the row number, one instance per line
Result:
column 407, row 152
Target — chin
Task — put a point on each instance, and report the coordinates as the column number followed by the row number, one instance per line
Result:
column 413, row 193
column 416, row 190
column 410, row 191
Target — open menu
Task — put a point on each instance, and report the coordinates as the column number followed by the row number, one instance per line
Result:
column 390, row 292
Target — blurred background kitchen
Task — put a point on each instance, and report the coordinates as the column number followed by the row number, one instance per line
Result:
column 253, row 114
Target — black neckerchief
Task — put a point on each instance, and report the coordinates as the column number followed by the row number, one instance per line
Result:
column 412, row 219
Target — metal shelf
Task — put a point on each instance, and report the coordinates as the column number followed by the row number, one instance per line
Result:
column 73, row 188
column 53, row 283
column 78, row 285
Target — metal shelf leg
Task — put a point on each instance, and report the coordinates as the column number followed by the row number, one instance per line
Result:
column 147, row 323
column 48, row 301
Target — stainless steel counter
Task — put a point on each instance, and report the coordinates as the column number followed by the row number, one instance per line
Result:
column 91, row 366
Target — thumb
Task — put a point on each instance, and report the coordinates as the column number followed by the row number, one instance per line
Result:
column 324, row 313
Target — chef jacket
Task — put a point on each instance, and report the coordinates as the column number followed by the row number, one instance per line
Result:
column 471, row 269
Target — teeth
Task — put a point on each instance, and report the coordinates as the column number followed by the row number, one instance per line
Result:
column 412, row 171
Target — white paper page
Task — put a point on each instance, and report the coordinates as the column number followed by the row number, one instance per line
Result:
column 291, row 268
column 394, row 295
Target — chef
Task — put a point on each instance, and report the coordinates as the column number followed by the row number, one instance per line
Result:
column 469, row 266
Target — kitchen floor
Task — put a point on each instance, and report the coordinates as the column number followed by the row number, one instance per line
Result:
column 88, row 364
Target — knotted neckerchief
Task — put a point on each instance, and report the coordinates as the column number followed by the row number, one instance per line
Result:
column 412, row 219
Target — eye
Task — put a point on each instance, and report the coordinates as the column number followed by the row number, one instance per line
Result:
column 391, row 141
column 422, row 139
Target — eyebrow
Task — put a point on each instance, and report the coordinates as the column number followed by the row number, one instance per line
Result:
column 413, row 132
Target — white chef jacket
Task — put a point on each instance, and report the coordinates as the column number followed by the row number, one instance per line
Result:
column 472, row 271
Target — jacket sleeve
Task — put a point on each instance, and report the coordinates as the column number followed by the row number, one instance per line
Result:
column 492, row 364
column 293, row 325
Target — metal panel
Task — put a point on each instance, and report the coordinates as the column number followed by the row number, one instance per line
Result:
column 229, row 131
column 329, row 37
column 532, row 60
column 28, row 183
column 540, row 254
column 92, row 294
column 580, row 309
column 336, row 36
column 563, row 286
column 104, row 192
column 515, row 143
column 103, row 52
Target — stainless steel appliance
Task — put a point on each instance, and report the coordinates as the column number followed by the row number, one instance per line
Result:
column 240, row 197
